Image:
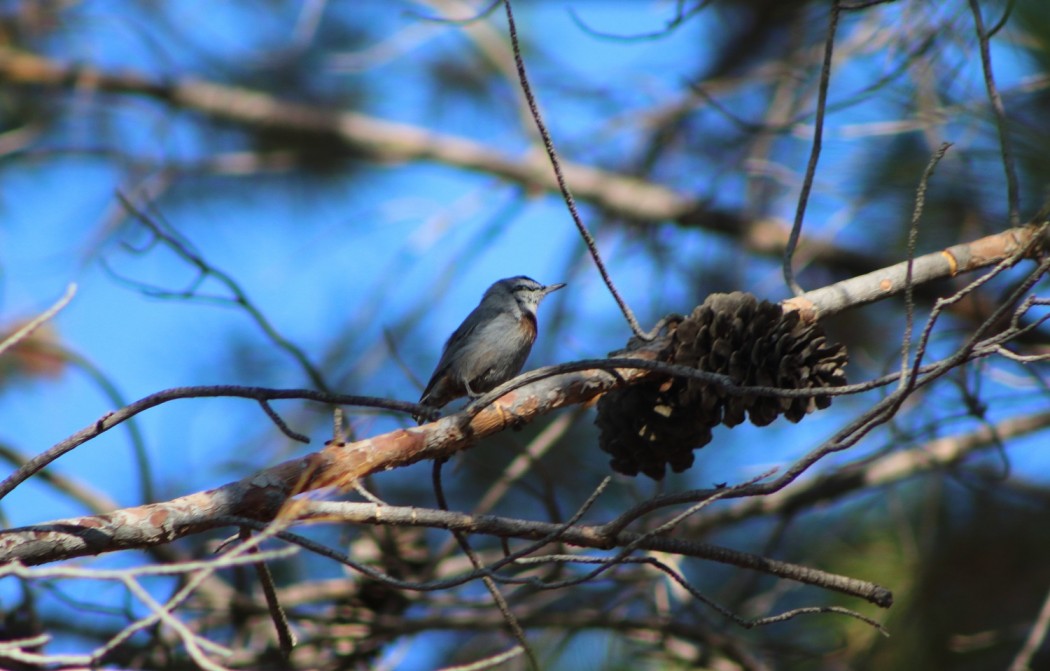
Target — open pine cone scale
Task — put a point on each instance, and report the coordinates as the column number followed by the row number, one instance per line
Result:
column 658, row 423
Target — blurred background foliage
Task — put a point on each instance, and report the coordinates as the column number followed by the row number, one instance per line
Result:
column 363, row 258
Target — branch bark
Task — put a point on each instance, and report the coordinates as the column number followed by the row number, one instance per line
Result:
column 262, row 496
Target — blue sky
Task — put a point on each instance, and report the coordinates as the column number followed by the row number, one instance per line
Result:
column 315, row 259
column 305, row 262
column 315, row 264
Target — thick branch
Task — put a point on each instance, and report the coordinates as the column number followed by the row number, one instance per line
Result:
column 965, row 257
column 261, row 496
column 595, row 537
column 378, row 139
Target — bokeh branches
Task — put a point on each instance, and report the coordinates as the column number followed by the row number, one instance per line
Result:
column 342, row 179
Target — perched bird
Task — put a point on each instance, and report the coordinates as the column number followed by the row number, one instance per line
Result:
column 491, row 344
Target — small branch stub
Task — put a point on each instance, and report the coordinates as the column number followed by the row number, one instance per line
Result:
column 650, row 426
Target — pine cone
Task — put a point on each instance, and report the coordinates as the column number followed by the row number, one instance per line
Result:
column 639, row 428
column 650, row 426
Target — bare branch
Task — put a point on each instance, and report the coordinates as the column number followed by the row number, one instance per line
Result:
column 1036, row 636
column 238, row 296
column 1013, row 195
column 33, row 324
column 814, row 156
column 114, row 418
column 1013, row 244
column 563, row 185
column 871, row 474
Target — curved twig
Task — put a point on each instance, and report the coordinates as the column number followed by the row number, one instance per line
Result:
column 1009, row 167
column 814, row 156
column 111, row 419
column 570, row 202
column 238, row 296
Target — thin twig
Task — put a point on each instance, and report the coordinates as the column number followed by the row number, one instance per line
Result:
column 195, row 573
column 1035, row 638
column 913, row 238
column 96, row 502
column 238, row 296
column 35, row 323
column 285, row 636
column 138, row 442
column 680, row 17
column 1003, row 19
column 478, row 16
column 542, row 533
column 488, row 662
column 864, row 475
column 517, row 469
column 570, row 202
column 814, row 156
column 497, row 596
column 111, row 419
column 1012, row 185
column 276, row 419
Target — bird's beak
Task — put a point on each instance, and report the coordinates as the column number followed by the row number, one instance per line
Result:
column 551, row 288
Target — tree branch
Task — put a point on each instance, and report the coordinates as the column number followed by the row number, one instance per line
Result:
column 389, row 142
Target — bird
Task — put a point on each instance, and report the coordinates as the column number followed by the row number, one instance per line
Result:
column 492, row 343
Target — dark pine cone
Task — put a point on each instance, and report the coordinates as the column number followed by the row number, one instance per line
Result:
column 649, row 426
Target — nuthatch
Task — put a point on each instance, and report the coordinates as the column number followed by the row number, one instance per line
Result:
column 491, row 344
